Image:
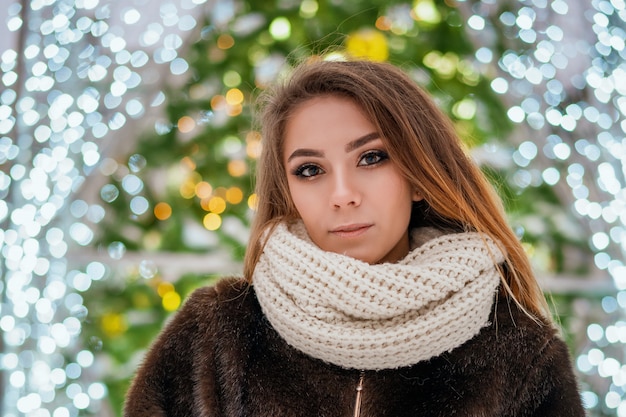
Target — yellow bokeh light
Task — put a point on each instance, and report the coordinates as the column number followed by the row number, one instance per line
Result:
column 204, row 203
column 187, row 189
column 186, row 124
column 141, row 300
column 218, row 102
column 253, row 201
column 465, row 109
column 225, row 41
column 368, row 44
column 212, row 221
column 237, row 168
column 308, row 8
column 203, row 189
column 171, row 301
column 235, row 110
column 445, row 65
column 431, row 59
column 165, row 287
column 234, row 96
column 253, row 136
column 383, row 23
column 469, row 74
column 162, row 211
column 234, row 195
column 231, row 78
column 253, row 144
column 152, row 240
column 217, row 205
column 280, row 28
column 426, row 11
column 114, row 324
column 188, row 163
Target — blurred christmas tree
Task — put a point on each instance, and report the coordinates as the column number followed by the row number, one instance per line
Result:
column 188, row 187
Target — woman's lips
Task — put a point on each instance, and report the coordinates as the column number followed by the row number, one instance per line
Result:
column 351, row 230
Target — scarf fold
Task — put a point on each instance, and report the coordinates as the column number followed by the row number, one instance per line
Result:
column 384, row 316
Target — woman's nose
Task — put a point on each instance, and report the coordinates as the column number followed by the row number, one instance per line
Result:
column 345, row 191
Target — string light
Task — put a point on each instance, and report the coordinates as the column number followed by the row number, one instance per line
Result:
column 566, row 88
column 77, row 82
column 74, row 82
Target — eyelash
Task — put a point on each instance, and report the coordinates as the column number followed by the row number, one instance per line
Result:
column 299, row 171
column 380, row 156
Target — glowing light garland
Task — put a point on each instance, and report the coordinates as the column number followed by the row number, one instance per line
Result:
column 565, row 81
column 76, row 78
column 69, row 84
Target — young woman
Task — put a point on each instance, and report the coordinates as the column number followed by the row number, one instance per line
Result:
column 381, row 277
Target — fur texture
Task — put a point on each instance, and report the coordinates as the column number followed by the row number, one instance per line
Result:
column 219, row 356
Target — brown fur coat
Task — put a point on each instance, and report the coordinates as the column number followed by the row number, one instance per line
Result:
column 219, row 356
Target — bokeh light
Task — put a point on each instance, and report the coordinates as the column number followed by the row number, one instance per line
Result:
column 70, row 96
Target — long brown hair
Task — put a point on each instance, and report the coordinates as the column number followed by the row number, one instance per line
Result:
column 421, row 141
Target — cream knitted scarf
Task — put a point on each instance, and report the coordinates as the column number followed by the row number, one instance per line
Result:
column 356, row 315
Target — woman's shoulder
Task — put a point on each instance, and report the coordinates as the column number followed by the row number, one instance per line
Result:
column 515, row 337
column 227, row 293
column 211, row 310
column 514, row 345
column 509, row 319
column 224, row 288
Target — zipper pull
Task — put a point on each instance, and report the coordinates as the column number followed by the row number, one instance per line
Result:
column 359, row 391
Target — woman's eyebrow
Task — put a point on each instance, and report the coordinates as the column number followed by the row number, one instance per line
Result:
column 305, row 152
column 351, row 146
column 357, row 143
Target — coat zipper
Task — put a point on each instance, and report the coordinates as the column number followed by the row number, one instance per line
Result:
column 359, row 394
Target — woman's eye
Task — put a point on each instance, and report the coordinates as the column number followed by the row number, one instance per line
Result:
column 307, row 171
column 372, row 158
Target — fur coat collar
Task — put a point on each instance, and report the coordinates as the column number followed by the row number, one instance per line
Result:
column 219, row 356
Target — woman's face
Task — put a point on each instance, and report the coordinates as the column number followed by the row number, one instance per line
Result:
column 350, row 195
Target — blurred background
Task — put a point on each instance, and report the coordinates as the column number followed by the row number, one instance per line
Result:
column 127, row 150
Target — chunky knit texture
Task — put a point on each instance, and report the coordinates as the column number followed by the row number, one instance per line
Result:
column 356, row 315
